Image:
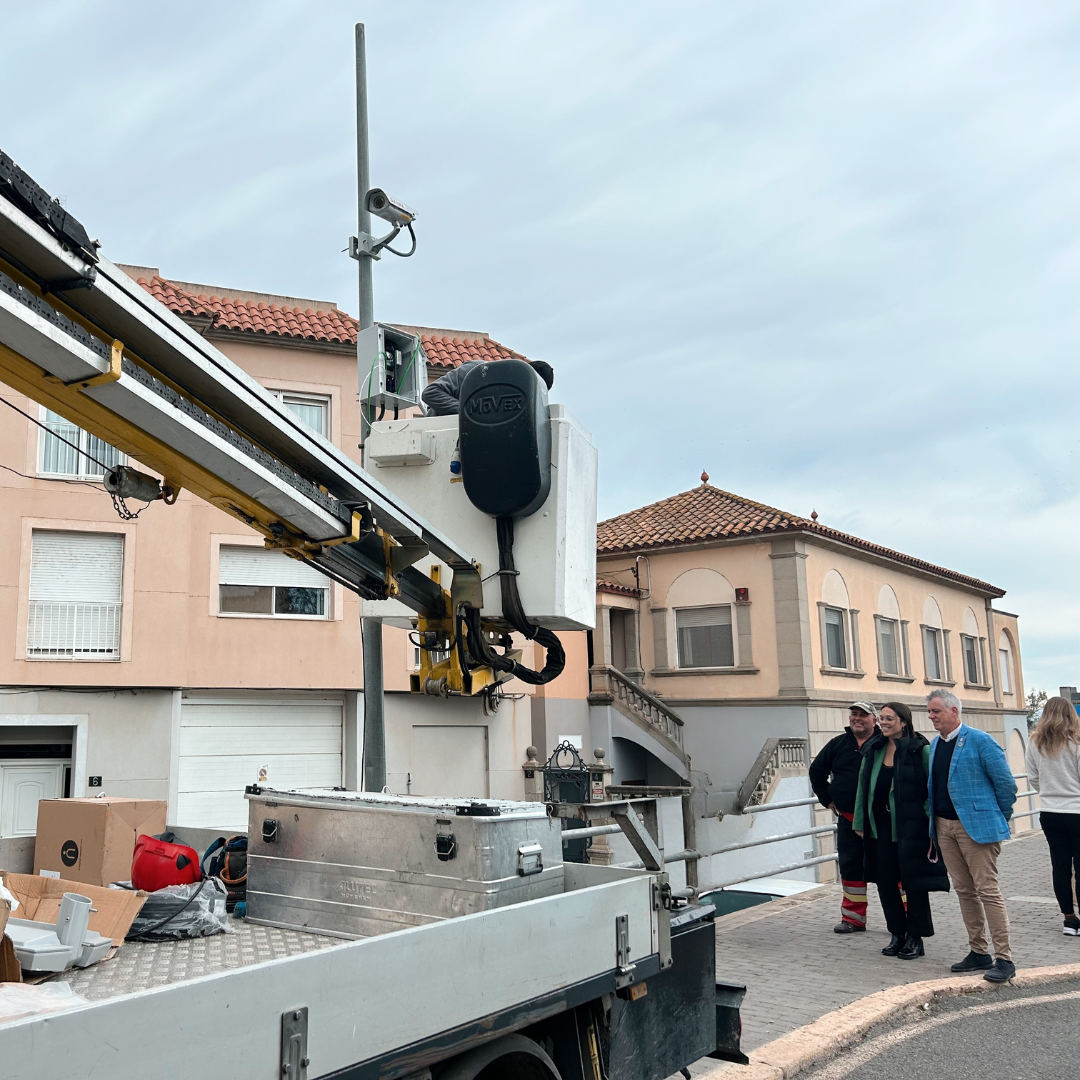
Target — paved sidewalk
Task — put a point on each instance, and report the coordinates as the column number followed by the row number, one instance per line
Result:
column 796, row 969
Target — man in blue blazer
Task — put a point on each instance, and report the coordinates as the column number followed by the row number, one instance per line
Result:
column 972, row 792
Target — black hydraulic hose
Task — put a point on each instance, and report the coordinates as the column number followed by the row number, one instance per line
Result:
column 514, row 613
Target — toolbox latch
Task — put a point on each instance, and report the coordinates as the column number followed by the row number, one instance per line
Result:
column 530, row 859
column 445, row 847
column 270, row 830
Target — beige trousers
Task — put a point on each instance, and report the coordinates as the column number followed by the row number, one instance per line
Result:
column 973, row 869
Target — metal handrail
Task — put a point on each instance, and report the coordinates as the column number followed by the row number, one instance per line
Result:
column 773, row 872
column 820, row 830
column 779, row 805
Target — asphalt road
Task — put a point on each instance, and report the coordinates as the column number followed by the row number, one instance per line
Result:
column 1006, row 1034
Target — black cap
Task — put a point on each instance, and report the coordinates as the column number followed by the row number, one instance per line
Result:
column 544, row 370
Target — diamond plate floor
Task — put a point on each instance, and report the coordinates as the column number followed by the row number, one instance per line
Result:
column 141, row 965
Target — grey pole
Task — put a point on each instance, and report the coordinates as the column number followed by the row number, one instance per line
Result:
column 367, row 303
column 371, row 629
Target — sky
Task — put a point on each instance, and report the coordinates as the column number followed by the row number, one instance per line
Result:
column 828, row 252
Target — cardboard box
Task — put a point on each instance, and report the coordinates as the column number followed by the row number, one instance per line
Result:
column 93, row 840
column 112, row 910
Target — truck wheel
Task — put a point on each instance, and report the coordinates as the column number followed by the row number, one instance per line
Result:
column 513, row 1057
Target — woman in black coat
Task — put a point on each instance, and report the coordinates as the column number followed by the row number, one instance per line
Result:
column 890, row 814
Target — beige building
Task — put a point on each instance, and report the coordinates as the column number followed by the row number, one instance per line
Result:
column 750, row 624
column 172, row 656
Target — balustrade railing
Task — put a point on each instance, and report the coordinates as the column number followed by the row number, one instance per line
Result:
column 611, row 681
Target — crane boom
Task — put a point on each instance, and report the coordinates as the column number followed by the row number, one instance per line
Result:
column 80, row 337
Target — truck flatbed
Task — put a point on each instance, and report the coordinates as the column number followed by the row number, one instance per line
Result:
column 142, row 965
column 386, row 1006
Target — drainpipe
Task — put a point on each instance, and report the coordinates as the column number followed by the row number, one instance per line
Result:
column 992, row 648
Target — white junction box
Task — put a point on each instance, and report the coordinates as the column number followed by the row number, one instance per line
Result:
column 554, row 549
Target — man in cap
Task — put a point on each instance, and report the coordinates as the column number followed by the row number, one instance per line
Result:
column 834, row 776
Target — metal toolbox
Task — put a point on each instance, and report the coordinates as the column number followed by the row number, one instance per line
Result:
column 357, row 864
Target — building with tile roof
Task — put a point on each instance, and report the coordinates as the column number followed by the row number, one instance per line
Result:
column 705, row 514
column 756, row 628
column 225, row 314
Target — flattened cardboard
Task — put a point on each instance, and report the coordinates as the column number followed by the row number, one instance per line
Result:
column 93, row 840
column 9, row 962
column 112, row 910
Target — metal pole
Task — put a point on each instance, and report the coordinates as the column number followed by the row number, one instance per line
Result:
column 689, row 838
column 363, row 181
column 374, row 721
column 371, row 629
column 762, row 807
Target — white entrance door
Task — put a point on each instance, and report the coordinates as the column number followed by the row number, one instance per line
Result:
column 450, row 761
column 22, row 786
column 228, row 744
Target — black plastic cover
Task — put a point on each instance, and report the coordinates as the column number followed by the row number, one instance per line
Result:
column 505, row 438
column 30, row 197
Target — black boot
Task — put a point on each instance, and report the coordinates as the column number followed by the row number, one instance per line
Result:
column 894, row 946
column 913, row 947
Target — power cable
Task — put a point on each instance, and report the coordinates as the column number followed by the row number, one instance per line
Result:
column 45, row 427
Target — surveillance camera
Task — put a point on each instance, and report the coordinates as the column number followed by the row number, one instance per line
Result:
column 397, row 213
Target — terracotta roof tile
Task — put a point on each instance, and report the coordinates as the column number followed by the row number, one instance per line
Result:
column 608, row 586
column 706, row 514
column 249, row 316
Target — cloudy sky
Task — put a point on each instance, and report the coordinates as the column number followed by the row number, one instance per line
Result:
column 829, row 252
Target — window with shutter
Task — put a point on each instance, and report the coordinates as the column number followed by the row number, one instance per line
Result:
column 704, row 637
column 835, row 645
column 932, row 652
column 888, row 652
column 64, row 449
column 971, row 657
column 312, row 410
column 76, row 584
column 255, row 581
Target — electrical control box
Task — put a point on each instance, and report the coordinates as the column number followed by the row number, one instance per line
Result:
column 392, row 367
column 554, row 548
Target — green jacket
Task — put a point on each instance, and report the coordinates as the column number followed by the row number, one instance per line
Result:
column 860, row 823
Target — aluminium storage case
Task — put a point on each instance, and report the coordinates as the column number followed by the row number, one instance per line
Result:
column 358, row 864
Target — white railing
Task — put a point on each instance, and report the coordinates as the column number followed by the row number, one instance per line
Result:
column 693, row 856
column 73, row 631
column 1033, row 810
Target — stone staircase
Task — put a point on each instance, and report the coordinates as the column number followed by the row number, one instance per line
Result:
column 779, row 757
column 610, row 686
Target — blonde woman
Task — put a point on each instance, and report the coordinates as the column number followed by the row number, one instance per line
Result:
column 1053, row 767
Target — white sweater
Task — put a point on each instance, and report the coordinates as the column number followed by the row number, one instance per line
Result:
column 1056, row 779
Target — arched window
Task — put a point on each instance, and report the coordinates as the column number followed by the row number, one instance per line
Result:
column 891, row 632
column 706, row 634
column 1005, row 663
column 937, row 666
column 973, row 650
column 839, row 625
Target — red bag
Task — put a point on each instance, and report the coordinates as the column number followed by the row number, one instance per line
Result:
column 158, row 862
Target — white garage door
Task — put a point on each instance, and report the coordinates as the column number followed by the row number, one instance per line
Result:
column 225, row 745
